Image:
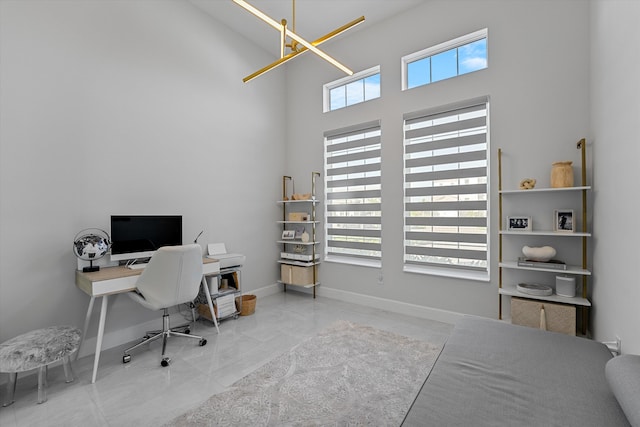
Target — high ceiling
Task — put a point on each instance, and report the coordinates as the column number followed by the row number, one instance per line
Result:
column 314, row 18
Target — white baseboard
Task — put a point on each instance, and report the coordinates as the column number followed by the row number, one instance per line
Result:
column 265, row 291
column 409, row 309
column 121, row 336
column 420, row 311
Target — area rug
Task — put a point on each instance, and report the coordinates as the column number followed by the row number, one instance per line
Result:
column 348, row 375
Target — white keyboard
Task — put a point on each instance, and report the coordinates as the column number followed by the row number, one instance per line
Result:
column 136, row 266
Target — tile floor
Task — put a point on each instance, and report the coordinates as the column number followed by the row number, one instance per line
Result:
column 142, row 393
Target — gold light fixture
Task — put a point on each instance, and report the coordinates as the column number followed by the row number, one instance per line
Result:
column 296, row 40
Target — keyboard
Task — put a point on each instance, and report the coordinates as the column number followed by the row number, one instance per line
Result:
column 136, row 266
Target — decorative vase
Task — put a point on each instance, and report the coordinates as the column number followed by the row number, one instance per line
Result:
column 541, row 254
column 561, row 174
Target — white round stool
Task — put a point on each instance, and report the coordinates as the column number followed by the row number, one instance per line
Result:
column 38, row 349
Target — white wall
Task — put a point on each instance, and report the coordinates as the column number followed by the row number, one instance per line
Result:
column 132, row 107
column 615, row 112
column 127, row 108
column 537, row 79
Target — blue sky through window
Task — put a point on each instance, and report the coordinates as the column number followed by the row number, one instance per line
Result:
column 355, row 92
column 472, row 57
column 450, row 63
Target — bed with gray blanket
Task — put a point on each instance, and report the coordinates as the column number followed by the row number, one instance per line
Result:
column 492, row 373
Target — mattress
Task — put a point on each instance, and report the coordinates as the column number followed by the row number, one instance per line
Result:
column 492, row 373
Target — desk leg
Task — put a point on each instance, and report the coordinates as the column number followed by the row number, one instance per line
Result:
column 205, row 289
column 103, row 315
column 86, row 326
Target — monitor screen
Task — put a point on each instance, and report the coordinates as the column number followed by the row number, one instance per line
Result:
column 138, row 236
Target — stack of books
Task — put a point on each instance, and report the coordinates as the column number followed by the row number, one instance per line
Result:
column 552, row 263
column 226, row 305
column 298, row 257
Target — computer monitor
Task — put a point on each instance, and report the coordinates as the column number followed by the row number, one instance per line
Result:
column 139, row 236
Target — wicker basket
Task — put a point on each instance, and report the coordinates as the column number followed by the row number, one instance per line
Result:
column 248, row 305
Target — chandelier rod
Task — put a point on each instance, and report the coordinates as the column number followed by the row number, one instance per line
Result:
column 303, row 49
column 285, row 32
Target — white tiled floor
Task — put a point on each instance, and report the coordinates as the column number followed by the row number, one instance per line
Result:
column 142, row 393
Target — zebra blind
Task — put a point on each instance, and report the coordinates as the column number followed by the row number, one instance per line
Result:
column 353, row 194
column 445, row 187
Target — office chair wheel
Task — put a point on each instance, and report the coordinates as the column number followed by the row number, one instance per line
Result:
column 187, row 331
column 202, row 342
column 165, row 361
column 126, row 358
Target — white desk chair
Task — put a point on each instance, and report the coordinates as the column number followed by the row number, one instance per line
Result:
column 172, row 277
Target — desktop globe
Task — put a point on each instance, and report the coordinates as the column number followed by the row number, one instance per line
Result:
column 91, row 244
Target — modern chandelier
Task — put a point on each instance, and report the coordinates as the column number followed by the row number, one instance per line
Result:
column 296, row 44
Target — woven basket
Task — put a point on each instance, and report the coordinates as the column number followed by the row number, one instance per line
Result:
column 248, row 305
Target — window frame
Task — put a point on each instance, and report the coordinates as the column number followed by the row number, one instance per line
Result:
column 373, row 177
column 440, row 48
column 361, row 75
column 462, row 272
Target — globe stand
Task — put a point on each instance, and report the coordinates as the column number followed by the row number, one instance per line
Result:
column 91, row 267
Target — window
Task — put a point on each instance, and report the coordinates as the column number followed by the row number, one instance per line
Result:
column 445, row 190
column 360, row 87
column 453, row 58
column 353, row 194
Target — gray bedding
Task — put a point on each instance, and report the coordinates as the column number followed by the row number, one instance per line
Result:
column 492, row 373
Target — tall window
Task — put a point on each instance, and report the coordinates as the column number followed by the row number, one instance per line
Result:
column 445, row 190
column 360, row 87
column 453, row 58
column 353, row 194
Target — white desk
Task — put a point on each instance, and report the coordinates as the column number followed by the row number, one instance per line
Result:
column 116, row 280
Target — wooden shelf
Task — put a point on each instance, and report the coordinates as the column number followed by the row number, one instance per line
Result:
column 571, row 269
column 545, row 190
column 541, row 198
column 511, row 290
column 298, row 222
column 314, row 201
column 545, row 233
column 298, row 263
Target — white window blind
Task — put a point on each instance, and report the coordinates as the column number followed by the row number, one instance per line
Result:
column 445, row 189
column 353, row 194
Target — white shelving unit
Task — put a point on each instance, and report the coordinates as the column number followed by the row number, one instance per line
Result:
column 298, row 257
column 218, row 299
column 577, row 239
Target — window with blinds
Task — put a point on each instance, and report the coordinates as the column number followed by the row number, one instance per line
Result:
column 353, row 194
column 445, row 190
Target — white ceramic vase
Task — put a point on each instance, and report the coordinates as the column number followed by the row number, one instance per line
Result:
column 542, row 254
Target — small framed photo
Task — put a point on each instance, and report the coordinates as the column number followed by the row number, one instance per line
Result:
column 563, row 221
column 519, row 223
column 288, row 234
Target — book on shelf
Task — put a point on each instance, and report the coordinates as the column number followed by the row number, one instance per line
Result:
column 298, row 257
column 552, row 263
column 226, row 305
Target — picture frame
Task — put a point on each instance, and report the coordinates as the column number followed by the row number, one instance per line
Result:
column 288, row 234
column 519, row 223
column 298, row 231
column 564, row 221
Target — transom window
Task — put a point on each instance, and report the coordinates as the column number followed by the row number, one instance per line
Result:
column 450, row 59
column 360, row 87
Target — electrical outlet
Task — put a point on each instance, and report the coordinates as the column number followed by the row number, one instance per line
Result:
column 380, row 282
column 615, row 347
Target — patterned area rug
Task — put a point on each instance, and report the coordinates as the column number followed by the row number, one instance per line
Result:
column 347, row 375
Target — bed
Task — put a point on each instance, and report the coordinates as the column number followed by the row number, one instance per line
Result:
column 492, row 373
